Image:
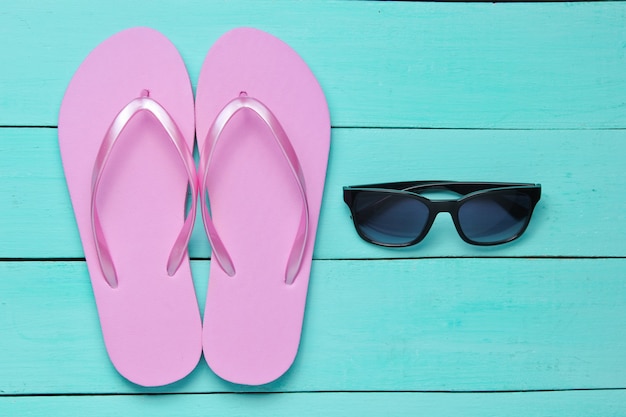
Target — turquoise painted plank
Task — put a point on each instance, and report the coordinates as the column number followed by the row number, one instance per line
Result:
column 380, row 63
column 580, row 214
column 540, row 404
column 418, row 325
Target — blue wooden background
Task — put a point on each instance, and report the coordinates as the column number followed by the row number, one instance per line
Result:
column 493, row 92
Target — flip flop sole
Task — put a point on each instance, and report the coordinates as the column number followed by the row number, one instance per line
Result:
column 151, row 321
column 253, row 320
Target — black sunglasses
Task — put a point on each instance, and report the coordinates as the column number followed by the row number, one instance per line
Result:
column 395, row 214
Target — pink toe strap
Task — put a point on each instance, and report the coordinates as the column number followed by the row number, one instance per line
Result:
column 179, row 249
column 219, row 249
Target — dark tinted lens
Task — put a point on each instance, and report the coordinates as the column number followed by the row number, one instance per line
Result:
column 495, row 217
column 389, row 218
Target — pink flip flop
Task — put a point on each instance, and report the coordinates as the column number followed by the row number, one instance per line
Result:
column 263, row 130
column 126, row 132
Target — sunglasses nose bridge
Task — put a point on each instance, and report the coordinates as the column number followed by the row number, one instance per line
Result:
column 443, row 206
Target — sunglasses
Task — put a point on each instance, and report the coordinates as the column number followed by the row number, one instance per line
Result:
column 397, row 215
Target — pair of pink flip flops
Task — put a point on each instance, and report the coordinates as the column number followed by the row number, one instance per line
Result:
column 126, row 130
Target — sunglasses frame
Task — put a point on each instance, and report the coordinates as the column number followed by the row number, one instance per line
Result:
column 468, row 191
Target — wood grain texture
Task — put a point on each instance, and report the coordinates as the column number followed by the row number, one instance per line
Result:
column 417, row 325
column 381, row 64
column 555, row 404
column 580, row 214
column 416, row 90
